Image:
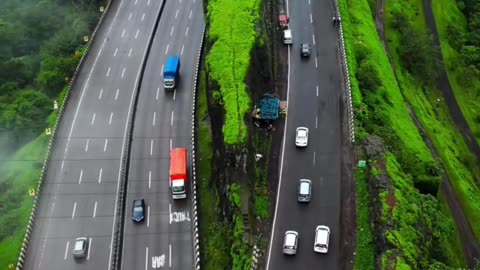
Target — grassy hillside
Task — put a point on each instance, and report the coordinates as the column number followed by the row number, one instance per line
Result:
column 431, row 110
column 404, row 217
column 19, row 175
column 465, row 81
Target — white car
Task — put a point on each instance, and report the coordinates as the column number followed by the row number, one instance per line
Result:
column 290, row 243
column 301, row 137
column 80, row 248
column 322, row 237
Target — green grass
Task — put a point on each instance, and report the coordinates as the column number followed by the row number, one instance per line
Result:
column 453, row 250
column 434, row 117
column 20, row 174
column 466, row 91
column 365, row 256
column 233, row 34
column 215, row 235
column 361, row 38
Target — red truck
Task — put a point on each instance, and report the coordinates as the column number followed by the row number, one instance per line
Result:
column 178, row 172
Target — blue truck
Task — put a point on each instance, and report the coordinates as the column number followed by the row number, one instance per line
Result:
column 171, row 72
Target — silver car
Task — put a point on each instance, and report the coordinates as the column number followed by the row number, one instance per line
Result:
column 301, row 137
column 304, row 190
column 80, row 247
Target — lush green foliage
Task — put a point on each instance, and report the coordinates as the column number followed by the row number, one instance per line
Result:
column 420, row 229
column 365, row 256
column 262, row 203
column 232, row 32
column 381, row 110
column 19, row 175
column 38, row 40
column 216, row 235
column 460, row 44
column 456, row 158
column 240, row 250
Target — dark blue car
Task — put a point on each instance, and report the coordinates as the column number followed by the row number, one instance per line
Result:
column 138, row 213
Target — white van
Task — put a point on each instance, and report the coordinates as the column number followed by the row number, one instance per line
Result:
column 322, row 237
column 287, row 36
column 290, row 243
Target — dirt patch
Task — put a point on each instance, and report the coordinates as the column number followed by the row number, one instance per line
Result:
column 470, row 244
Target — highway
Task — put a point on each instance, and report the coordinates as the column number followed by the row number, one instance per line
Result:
column 163, row 120
column 314, row 97
column 80, row 192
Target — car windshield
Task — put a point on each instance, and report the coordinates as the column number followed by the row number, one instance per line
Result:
column 302, row 133
column 304, row 188
column 177, row 189
column 79, row 245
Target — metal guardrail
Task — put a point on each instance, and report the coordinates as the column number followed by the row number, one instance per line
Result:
column 351, row 117
column 31, row 222
column 196, row 242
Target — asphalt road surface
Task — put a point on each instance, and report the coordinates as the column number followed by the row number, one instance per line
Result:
column 163, row 121
column 314, row 102
column 80, row 193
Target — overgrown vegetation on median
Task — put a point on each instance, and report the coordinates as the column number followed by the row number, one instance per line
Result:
column 232, row 32
column 410, row 229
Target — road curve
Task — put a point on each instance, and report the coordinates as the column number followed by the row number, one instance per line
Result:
column 163, row 120
column 80, row 192
column 314, row 97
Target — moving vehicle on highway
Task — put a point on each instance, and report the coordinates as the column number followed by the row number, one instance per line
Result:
column 178, row 172
column 290, row 243
column 80, row 248
column 287, row 37
column 301, row 137
column 304, row 190
column 171, row 72
column 138, row 211
column 305, row 49
column 322, row 238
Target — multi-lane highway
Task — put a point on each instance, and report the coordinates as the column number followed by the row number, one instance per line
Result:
column 314, row 96
column 80, row 194
column 163, row 120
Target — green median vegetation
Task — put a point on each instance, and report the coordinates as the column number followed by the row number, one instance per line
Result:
column 232, row 32
column 215, row 234
column 461, row 53
column 399, row 182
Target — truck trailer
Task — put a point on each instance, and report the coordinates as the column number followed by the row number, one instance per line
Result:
column 178, row 173
column 171, row 72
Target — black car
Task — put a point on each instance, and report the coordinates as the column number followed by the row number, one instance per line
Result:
column 305, row 49
column 138, row 212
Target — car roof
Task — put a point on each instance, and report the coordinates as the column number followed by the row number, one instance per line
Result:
column 321, row 234
column 80, row 242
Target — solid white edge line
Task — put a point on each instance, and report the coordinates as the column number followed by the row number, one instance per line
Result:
column 66, row 250
column 281, row 163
